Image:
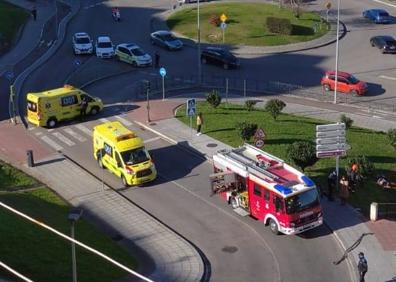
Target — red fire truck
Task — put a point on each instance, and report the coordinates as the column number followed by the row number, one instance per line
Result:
column 261, row 185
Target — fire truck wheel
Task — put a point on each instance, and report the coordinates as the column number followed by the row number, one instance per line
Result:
column 234, row 202
column 274, row 226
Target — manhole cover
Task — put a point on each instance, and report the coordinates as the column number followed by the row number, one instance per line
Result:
column 211, row 145
column 117, row 237
column 229, row 249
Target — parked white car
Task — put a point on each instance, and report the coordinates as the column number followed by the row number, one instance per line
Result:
column 82, row 43
column 133, row 54
column 104, row 47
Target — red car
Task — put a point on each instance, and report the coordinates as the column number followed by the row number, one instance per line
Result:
column 346, row 83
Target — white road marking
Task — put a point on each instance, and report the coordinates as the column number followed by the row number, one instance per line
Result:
column 387, row 77
column 152, row 139
column 104, row 120
column 84, row 129
column 52, row 143
column 123, row 120
column 50, row 130
column 38, row 133
column 63, row 138
column 385, row 3
column 75, row 135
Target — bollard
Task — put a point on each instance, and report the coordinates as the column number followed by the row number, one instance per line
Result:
column 30, row 160
column 373, row 211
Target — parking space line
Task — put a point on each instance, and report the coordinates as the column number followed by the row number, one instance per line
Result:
column 152, row 139
column 75, row 134
column 104, row 120
column 124, row 121
column 387, row 77
column 52, row 143
column 84, row 129
column 63, row 138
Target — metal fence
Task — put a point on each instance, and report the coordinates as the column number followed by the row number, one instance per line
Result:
column 254, row 87
column 387, row 210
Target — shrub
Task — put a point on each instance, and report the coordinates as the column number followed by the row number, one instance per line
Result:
column 213, row 98
column 274, row 107
column 302, row 153
column 249, row 104
column 347, row 120
column 246, row 130
column 392, row 137
column 279, row 25
column 215, row 20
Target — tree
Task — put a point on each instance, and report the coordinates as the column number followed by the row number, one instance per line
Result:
column 249, row 104
column 246, row 130
column 347, row 120
column 392, row 137
column 213, row 98
column 274, row 107
column 302, row 153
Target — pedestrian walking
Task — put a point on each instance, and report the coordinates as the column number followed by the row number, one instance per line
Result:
column 199, row 123
column 331, row 183
column 344, row 190
column 362, row 266
column 156, row 59
column 83, row 107
column 34, row 13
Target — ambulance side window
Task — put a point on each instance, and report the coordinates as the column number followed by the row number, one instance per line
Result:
column 257, row 190
column 266, row 195
column 108, row 149
column 118, row 159
column 69, row 100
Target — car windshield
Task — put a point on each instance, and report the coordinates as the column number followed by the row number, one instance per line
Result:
column 135, row 156
column 226, row 54
column 302, row 201
column 390, row 42
column 352, row 79
column 138, row 52
column 82, row 40
column 168, row 37
column 383, row 14
column 104, row 45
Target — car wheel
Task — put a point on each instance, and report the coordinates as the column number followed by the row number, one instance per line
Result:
column 326, row 87
column 273, row 226
column 94, row 111
column 226, row 66
column 124, row 182
column 354, row 93
column 372, row 43
column 51, row 123
column 203, row 60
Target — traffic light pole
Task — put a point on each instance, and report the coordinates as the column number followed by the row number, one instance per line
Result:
column 148, row 102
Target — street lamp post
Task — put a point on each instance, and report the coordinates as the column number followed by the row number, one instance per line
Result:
column 199, row 45
column 337, row 47
column 74, row 215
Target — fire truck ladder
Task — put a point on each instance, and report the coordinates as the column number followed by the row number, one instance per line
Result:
column 251, row 165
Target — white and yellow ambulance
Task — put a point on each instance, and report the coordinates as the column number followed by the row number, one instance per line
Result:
column 123, row 153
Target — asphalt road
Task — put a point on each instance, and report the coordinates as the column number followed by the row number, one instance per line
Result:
column 238, row 248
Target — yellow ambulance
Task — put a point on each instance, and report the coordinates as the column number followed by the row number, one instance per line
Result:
column 123, row 153
column 49, row 107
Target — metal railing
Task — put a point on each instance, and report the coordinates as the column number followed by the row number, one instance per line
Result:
column 387, row 210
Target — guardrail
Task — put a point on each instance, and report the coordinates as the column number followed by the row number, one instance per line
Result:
column 382, row 211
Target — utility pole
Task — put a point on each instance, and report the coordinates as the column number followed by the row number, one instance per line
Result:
column 199, row 45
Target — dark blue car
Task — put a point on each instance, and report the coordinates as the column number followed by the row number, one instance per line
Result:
column 378, row 16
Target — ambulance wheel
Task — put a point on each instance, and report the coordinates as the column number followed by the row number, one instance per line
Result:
column 94, row 111
column 273, row 226
column 51, row 123
column 124, row 182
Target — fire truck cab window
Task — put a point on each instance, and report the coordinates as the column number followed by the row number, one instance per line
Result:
column 278, row 204
column 266, row 195
column 257, row 190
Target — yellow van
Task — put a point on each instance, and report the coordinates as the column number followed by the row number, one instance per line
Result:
column 49, row 107
column 122, row 152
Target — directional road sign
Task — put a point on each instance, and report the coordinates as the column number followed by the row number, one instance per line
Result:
column 330, row 127
column 330, row 154
column 330, row 140
column 162, row 72
column 329, row 134
column 333, row 140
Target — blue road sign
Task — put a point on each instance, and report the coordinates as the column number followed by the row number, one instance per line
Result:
column 191, row 107
column 77, row 62
column 223, row 25
column 162, row 72
column 9, row 75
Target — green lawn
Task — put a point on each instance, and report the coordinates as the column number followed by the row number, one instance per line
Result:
column 220, row 124
column 11, row 19
column 41, row 255
column 245, row 24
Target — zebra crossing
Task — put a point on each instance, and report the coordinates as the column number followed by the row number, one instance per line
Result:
column 60, row 138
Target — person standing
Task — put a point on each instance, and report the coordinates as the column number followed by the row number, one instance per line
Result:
column 34, row 13
column 344, row 190
column 362, row 266
column 83, row 107
column 156, row 59
column 199, row 123
column 331, row 182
